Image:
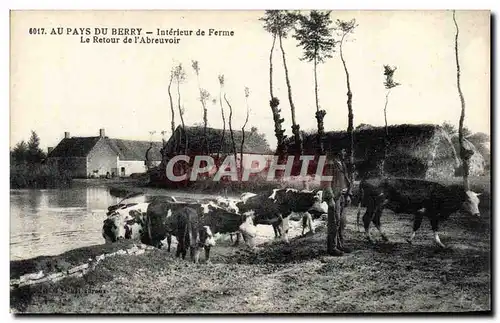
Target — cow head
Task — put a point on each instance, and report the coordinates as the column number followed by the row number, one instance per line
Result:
column 206, row 237
column 134, row 224
column 137, row 217
column 318, row 204
column 471, row 203
column 227, row 204
column 245, row 196
column 113, row 228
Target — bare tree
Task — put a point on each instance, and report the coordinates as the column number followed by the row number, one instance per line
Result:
column 172, row 124
column 286, row 23
column 315, row 38
column 231, row 128
column 221, row 90
column 389, row 84
column 465, row 154
column 345, row 28
column 271, row 22
column 247, row 94
column 180, row 77
column 204, row 97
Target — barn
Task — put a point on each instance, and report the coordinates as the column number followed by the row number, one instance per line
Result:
column 97, row 156
column 219, row 142
column 420, row 151
column 192, row 141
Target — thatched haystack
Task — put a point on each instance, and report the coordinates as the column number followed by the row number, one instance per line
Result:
column 420, row 151
column 477, row 163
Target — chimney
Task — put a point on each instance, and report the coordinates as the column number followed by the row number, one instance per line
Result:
column 101, row 133
column 66, row 135
column 49, row 150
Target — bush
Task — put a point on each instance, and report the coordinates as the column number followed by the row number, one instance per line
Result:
column 38, row 176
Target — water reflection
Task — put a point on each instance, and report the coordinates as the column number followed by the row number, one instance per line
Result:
column 48, row 222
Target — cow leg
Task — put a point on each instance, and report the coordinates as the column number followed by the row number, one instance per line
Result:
column 416, row 225
column 434, row 225
column 277, row 232
column 195, row 254
column 207, row 254
column 169, row 242
column 309, row 222
column 284, row 228
column 275, row 229
column 180, row 249
column 367, row 218
column 358, row 216
column 238, row 237
column 376, row 221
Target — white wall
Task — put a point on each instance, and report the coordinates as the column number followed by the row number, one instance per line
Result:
column 131, row 166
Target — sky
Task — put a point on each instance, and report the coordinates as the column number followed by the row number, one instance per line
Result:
column 59, row 84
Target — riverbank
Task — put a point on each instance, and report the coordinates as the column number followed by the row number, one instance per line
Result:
column 295, row 278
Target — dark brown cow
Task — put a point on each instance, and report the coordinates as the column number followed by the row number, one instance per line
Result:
column 414, row 196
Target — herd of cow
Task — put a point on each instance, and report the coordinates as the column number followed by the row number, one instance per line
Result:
column 195, row 224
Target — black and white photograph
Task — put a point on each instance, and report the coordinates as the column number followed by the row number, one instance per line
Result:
column 250, row 162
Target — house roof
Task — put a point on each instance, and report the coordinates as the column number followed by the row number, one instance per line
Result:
column 74, row 147
column 125, row 149
column 255, row 143
column 135, row 150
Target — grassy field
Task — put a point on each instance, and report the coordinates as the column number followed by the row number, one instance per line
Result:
column 295, row 278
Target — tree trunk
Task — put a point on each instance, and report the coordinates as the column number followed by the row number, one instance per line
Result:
column 271, row 68
column 204, row 146
column 172, row 124
column 350, row 124
column 231, row 128
column 223, row 128
column 182, row 118
column 278, row 121
column 243, row 144
column 386, row 137
column 320, row 114
column 295, row 126
column 465, row 154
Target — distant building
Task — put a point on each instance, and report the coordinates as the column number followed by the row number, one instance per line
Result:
column 99, row 156
column 219, row 145
column 255, row 143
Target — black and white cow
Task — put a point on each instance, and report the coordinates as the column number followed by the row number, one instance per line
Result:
column 124, row 221
column 162, row 221
column 274, row 207
column 414, row 196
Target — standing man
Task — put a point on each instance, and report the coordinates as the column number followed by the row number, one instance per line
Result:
column 337, row 194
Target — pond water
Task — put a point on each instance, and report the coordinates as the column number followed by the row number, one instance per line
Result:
column 50, row 222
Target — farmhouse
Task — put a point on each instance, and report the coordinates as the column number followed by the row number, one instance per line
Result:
column 100, row 155
column 421, row 151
